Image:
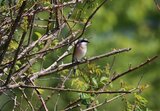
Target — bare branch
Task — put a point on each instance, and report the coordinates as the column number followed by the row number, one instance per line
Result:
column 90, row 17
column 133, row 69
column 107, row 101
column 73, row 90
column 40, row 97
column 69, row 65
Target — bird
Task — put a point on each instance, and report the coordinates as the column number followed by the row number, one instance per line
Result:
column 79, row 51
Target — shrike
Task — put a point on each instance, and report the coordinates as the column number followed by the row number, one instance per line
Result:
column 80, row 51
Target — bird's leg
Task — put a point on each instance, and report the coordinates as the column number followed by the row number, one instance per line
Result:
column 84, row 58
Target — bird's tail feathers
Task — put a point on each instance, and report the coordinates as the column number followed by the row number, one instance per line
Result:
column 74, row 70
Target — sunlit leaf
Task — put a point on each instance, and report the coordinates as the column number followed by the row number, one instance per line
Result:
column 24, row 24
column 41, row 91
column 79, row 84
column 16, row 67
column 141, row 101
column 94, row 82
column 13, row 45
column 38, row 34
column 104, row 80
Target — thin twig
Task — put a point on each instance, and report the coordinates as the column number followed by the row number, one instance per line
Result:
column 31, row 28
column 72, row 107
column 139, row 82
column 72, row 104
column 40, row 97
column 90, row 17
column 157, row 4
column 72, row 90
column 132, row 69
column 107, row 101
column 26, row 98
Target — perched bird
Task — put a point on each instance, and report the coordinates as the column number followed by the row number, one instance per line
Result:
column 80, row 51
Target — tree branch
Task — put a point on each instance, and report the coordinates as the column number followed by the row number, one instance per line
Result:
column 107, row 101
column 73, row 90
column 13, row 28
column 157, row 4
column 132, row 69
column 69, row 65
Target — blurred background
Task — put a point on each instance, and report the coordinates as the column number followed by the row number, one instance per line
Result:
column 134, row 24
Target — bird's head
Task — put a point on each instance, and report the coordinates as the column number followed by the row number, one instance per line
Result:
column 83, row 40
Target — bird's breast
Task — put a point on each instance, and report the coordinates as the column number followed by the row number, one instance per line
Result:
column 80, row 52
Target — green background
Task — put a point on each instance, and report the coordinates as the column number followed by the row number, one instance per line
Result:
column 134, row 24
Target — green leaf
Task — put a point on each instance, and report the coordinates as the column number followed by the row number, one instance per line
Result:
column 38, row 34
column 94, row 81
column 98, row 71
column 141, row 101
column 129, row 106
column 18, row 63
column 86, row 98
column 24, row 24
column 79, row 84
column 107, row 69
column 16, row 67
column 13, row 45
column 103, row 80
column 55, row 42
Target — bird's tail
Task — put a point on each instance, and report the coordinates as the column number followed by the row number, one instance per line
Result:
column 74, row 70
column 75, row 67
